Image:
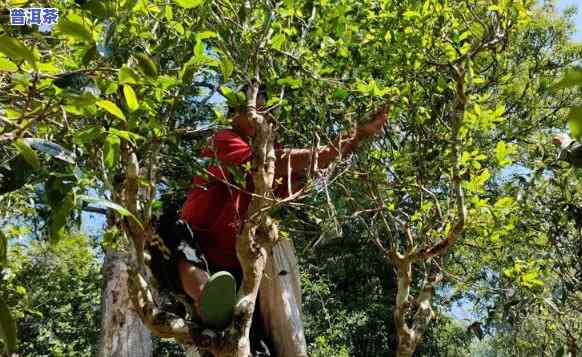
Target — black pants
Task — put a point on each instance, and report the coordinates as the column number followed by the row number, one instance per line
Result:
column 180, row 243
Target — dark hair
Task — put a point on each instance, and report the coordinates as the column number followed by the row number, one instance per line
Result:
column 170, row 231
column 261, row 94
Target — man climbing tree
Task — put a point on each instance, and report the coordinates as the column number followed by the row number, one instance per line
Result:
column 201, row 248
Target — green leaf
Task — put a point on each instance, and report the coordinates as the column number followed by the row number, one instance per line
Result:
column 572, row 78
column 127, row 135
column 205, row 34
column 409, row 14
column 14, row 174
column 51, row 149
column 111, row 150
column 7, row 327
column 7, row 65
column 501, row 152
column 75, row 26
column 291, row 82
column 111, row 238
column 98, row 8
column 147, row 65
column 575, row 122
column 111, row 108
column 362, row 87
column 130, row 98
column 112, row 205
column 16, row 50
column 341, row 93
column 128, row 76
column 273, row 101
column 58, row 217
column 179, row 28
column 278, row 41
column 531, row 279
column 189, row 4
column 87, row 136
column 234, row 99
column 199, row 51
column 111, row 88
column 27, row 153
column 227, row 68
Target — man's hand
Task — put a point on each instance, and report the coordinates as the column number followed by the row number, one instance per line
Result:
column 562, row 140
column 380, row 118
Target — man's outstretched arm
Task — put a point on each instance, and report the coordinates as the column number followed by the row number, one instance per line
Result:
column 303, row 160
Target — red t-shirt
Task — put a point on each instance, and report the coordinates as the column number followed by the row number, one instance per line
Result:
column 215, row 210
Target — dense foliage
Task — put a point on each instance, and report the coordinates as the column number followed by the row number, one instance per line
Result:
column 54, row 292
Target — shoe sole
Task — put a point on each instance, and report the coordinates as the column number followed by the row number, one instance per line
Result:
column 218, row 299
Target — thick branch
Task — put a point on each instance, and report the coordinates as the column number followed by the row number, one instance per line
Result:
column 424, row 313
column 456, row 123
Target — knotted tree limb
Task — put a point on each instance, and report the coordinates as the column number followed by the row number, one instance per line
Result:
column 420, row 308
column 409, row 335
column 252, row 251
column 456, row 120
column 131, row 199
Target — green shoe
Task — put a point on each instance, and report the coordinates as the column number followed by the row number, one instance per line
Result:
column 218, row 299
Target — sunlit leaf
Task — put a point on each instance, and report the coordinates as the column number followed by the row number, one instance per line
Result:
column 129, row 136
column 7, row 65
column 111, row 150
column 572, row 77
column 278, row 40
column 189, row 4
column 128, row 76
column 226, row 68
column 199, row 51
column 205, row 35
column 111, row 108
column 75, row 26
column 16, row 50
column 130, row 98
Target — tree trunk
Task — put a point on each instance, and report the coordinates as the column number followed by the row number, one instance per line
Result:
column 280, row 295
column 122, row 331
column 406, row 344
column 406, row 335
